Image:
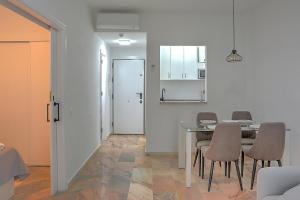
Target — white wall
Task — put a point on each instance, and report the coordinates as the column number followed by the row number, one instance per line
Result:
column 107, row 90
column 272, row 33
column 183, row 89
column 225, row 81
column 128, row 52
column 81, row 79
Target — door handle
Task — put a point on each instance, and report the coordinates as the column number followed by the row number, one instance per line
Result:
column 48, row 105
column 141, row 94
column 58, row 115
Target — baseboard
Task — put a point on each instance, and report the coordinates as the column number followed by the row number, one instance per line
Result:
column 85, row 161
column 129, row 134
column 107, row 135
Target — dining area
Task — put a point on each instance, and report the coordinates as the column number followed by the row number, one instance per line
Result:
column 209, row 143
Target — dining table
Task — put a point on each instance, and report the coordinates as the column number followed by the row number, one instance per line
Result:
column 186, row 131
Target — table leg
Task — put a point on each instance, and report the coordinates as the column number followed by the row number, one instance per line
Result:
column 188, row 163
column 181, row 146
column 287, row 149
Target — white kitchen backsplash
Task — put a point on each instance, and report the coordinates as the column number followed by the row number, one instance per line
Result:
column 183, row 89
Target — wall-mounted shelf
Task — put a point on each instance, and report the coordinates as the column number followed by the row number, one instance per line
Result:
column 171, row 101
column 201, row 79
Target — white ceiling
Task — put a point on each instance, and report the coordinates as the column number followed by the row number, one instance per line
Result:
column 167, row 6
column 110, row 37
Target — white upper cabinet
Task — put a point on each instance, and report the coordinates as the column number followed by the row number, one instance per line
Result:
column 165, row 63
column 190, row 63
column 182, row 62
column 177, row 63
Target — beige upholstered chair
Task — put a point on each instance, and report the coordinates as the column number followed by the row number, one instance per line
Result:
column 202, row 138
column 225, row 146
column 268, row 146
column 246, row 135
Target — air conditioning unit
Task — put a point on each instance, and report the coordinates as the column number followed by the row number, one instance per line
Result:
column 117, row 21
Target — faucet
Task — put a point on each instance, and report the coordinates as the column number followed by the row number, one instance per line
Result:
column 163, row 91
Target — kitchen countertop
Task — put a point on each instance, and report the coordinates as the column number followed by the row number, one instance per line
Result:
column 181, row 101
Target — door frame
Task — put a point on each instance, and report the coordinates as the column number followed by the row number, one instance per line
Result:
column 113, row 92
column 58, row 62
column 101, row 95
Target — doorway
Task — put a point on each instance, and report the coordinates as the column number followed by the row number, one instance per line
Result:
column 123, row 82
column 128, row 96
column 42, row 105
column 25, row 75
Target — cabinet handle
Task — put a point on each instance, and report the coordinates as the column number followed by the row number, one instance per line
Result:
column 198, row 56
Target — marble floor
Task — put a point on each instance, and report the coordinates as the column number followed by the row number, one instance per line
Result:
column 120, row 170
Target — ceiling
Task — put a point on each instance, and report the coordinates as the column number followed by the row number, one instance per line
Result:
column 110, row 37
column 169, row 6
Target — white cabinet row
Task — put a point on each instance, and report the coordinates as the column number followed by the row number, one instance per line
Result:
column 182, row 62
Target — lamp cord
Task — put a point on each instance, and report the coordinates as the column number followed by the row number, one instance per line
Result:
column 233, row 25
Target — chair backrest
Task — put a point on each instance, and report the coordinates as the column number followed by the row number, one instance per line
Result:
column 226, row 143
column 206, row 116
column 241, row 115
column 269, row 142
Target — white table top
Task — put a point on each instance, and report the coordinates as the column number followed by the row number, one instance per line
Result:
column 251, row 126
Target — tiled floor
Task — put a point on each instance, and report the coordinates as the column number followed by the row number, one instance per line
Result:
column 120, row 170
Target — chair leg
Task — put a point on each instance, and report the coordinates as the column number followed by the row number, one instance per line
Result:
column 203, row 160
column 269, row 163
column 253, row 173
column 195, row 160
column 279, row 163
column 225, row 168
column 262, row 163
column 229, row 169
column 220, row 163
column 238, row 174
column 242, row 163
column 200, row 157
column 211, row 174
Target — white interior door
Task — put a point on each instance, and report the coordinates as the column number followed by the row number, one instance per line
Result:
column 128, row 96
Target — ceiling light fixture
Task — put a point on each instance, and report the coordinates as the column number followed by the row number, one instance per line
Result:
column 234, row 57
column 124, row 41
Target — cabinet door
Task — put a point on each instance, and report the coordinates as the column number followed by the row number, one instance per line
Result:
column 202, row 54
column 165, row 63
column 176, row 62
column 190, row 63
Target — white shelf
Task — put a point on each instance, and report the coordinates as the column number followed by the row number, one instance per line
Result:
column 202, row 79
column 182, row 101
